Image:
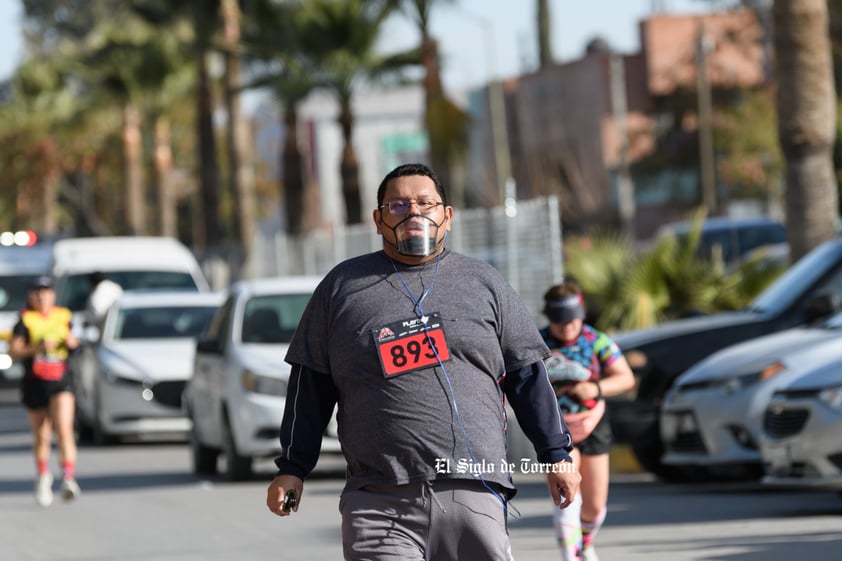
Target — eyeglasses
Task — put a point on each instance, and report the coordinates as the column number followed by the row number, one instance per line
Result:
column 399, row 208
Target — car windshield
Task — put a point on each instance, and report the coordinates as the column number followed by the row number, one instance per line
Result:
column 272, row 318
column 76, row 289
column 13, row 289
column 733, row 238
column 162, row 323
column 792, row 284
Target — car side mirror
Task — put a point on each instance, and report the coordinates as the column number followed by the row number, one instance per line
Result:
column 208, row 345
column 821, row 307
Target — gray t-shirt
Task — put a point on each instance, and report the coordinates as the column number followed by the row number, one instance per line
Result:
column 397, row 424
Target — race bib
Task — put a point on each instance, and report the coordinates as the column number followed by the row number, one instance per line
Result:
column 410, row 345
column 48, row 368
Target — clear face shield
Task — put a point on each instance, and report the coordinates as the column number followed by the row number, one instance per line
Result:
column 416, row 236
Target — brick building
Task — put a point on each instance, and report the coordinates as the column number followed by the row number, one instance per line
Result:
column 574, row 128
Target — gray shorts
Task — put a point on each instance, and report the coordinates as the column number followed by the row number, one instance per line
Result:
column 445, row 520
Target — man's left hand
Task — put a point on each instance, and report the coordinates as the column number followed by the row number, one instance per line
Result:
column 563, row 480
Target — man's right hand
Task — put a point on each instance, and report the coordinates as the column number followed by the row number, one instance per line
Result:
column 276, row 494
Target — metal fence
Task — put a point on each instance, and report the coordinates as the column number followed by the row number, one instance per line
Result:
column 522, row 240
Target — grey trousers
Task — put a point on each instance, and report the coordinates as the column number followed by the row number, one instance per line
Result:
column 445, row 520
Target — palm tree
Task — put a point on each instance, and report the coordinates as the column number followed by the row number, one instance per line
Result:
column 35, row 99
column 277, row 62
column 240, row 176
column 201, row 16
column 629, row 290
column 445, row 122
column 56, row 37
column 340, row 39
column 544, row 27
column 806, row 120
column 114, row 65
column 127, row 66
column 176, row 80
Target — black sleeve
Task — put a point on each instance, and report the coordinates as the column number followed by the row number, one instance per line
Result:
column 311, row 398
column 20, row 330
column 532, row 398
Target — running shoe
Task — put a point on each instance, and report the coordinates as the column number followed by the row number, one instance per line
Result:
column 70, row 489
column 589, row 554
column 44, row 490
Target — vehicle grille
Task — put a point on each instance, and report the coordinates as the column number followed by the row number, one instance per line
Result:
column 779, row 424
column 169, row 393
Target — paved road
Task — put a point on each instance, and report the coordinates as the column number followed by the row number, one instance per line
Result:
column 141, row 503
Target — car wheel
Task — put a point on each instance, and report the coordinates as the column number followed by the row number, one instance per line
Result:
column 82, row 427
column 84, row 430
column 237, row 467
column 100, row 435
column 204, row 457
column 648, row 449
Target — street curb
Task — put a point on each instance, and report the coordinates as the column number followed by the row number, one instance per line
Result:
column 623, row 460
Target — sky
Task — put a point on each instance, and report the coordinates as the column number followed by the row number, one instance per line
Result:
column 479, row 39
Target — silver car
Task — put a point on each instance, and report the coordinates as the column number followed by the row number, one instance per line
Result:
column 710, row 420
column 129, row 378
column 236, row 396
column 801, row 443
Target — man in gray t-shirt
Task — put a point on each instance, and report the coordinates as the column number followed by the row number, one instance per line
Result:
column 419, row 347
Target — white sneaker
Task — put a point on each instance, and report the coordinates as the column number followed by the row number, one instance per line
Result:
column 70, row 489
column 589, row 554
column 44, row 490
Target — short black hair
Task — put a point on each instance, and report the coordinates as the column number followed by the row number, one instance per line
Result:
column 410, row 169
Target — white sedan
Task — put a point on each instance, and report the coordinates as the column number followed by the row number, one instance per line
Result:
column 236, row 396
column 801, row 443
column 710, row 420
column 129, row 378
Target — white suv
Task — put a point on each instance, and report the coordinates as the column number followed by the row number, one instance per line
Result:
column 236, row 395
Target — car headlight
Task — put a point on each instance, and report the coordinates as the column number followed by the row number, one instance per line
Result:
column 115, row 377
column 832, row 397
column 737, row 383
column 255, row 383
column 5, row 361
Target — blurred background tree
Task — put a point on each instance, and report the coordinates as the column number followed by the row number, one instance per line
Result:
column 629, row 289
column 116, row 119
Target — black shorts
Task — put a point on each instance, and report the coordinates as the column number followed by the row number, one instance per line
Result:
column 599, row 441
column 36, row 393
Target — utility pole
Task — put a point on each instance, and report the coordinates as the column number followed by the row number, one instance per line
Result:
column 619, row 110
column 496, row 108
column 500, row 136
column 704, row 46
column 544, row 27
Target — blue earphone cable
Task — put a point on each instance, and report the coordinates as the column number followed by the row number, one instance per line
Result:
column 506, row 507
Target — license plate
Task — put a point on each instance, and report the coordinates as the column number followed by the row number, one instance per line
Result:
column 778, row 458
